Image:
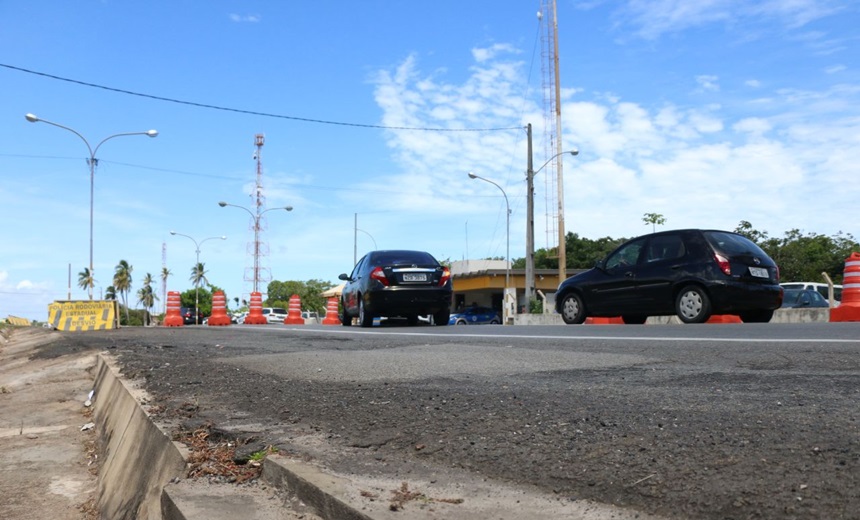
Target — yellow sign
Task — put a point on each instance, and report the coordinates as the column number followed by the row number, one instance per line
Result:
column 83, row 315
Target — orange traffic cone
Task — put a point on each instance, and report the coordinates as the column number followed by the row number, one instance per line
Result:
column 255, row 312
column 173, row 317
column 294, row 314
column 219, row 310
column 849, row 309
column 331, row 317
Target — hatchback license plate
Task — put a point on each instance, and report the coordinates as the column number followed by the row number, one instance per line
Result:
column 414, row 277
column 759, row 272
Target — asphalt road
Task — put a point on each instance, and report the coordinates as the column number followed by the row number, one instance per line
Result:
column 701, row 421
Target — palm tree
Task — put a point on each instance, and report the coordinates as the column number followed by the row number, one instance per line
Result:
column 165, row 274
column 110, row 292
column 122, row 282
column 145, row 296
column 85, row 279
column 198, row 274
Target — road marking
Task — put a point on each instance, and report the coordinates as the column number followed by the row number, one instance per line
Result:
column 530, row 336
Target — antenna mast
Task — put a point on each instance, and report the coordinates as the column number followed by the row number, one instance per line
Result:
column 258, row 273
column 552, row 134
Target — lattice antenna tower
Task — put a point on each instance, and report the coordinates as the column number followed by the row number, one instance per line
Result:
column 258, row 273
column 554, row 194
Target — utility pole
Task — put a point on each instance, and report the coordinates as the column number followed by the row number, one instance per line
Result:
column 530, row 223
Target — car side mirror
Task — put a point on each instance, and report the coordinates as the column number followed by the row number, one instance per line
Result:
column 600, row 264
column 344, row 277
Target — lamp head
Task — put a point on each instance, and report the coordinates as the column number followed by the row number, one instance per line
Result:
column 173, row 232
column 222, row 204
column 288, row 208
column 223, row 237
column 152, row 133
column 31, row 118
column 575, row 151
column 472, row 175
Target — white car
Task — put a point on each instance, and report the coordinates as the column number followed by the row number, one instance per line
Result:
column 275, row 314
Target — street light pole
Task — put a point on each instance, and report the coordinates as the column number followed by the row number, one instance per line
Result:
column 256, row 219
column 197, row 266
column 92, row 161
column 508, row 215
column 530, row 229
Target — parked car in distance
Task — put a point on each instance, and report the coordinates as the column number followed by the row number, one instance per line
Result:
column 396, row 283
column 275, row 314
column 798, row 298
column 311, row 317
column 189, row 316
column 691, row 273
column 475, row 315
column 822, row 288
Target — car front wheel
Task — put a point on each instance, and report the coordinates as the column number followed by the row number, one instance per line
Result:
column 345, row 319
column 693, row 305
column 573, row 309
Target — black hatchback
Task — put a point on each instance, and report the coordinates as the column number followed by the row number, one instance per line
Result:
column 690, row 273
column 399, row 283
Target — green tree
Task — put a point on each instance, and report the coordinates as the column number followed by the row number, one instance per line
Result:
column 654, row 219
column 110, row 292
column 202, row 295
column 85, row 279
column 146, row 297
column 279, row 293
column 198, row 274
column 122, row 282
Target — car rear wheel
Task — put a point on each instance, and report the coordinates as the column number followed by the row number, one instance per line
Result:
column 494, row 321
column 756, row 316
column 442, row 317
column 365, row 319
column 460, row 322
column 345, row 319
column 573, row 309
column 634, row 319
column 693, row 305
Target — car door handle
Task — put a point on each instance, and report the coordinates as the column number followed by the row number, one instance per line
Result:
column 629, row 274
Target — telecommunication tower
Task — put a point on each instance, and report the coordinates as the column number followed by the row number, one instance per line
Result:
column 554, row 191
column 163, row 278
column 258, row 274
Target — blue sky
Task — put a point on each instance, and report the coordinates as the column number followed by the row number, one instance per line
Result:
column 707, row 112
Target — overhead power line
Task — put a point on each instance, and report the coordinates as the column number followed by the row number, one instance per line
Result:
column 250, row 112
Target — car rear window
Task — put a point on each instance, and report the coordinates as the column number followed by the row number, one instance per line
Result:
column 403, row 257
column 732, row 244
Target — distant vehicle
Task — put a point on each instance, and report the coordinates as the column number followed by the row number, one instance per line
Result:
column 189, row 316
column 398, row 283
column 822, row 288
column 311, row 316
column 691, row 273
column 275, row 314
column 797, row 298
column 475, row 316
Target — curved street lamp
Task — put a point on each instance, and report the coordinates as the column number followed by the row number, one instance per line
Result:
column 256, row 218
column 93, row 162
column 530, row 229
column 196, row 265
column 508, row 215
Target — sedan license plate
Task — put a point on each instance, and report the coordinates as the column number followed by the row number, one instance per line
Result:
column 759, row 272
column 414, row 277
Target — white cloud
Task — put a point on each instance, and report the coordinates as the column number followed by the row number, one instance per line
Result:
column 708, row 83
column 245, row 18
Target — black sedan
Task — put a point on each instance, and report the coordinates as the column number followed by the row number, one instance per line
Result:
column 396, row 283
column 799, row 298
column 691, row 273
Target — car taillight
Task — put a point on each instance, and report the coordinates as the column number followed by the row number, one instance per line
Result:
column 379, row 275
column 446, row 274
column 723, row 262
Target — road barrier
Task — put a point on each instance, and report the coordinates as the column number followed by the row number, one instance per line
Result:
column 219, row 310
column 76, row 316
column 331, row 317
column 173, row 316
column 294, row 315
column 255, row 310
column 849, row 309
